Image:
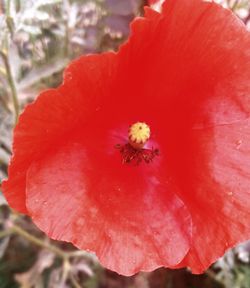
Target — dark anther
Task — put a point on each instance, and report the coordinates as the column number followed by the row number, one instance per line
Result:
column 136, row 156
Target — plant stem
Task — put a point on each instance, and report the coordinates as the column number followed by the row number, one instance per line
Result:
column 5, row 57
column 235, row 4
column 8, row 8
column 9, row 20
column 66, row 6
column 210, row 273
column 59, row 252
column 65, row 271
column 11, row 81
column 74, row 281
column 18, row 230
column 80, row 253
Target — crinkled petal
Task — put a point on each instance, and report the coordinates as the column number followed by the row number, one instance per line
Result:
column 48, row 122
column 217, row 191
column 128, row 217
column 192, row 53
column 208, row 159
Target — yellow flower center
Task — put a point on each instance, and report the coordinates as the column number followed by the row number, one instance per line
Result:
column 138, row 135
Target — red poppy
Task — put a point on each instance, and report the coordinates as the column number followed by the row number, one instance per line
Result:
column 180, row 200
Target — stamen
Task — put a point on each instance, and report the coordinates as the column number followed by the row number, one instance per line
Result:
column 136, row 156
column 133, row 151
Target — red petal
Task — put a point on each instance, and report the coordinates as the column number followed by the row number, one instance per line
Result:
column 218, row 193
column 47, row 123
column 208, row 163
column 125, row 214
column 196, row 52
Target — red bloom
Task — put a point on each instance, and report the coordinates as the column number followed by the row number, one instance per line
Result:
column 183, row 198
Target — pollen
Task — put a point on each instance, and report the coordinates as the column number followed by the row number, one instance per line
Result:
column 138, row 134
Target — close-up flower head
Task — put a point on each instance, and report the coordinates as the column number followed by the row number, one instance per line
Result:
column 142, row 156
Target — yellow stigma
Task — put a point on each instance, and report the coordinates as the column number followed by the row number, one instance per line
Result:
column 138, row 134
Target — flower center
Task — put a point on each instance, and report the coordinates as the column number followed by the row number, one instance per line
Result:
column 133, row 151
column 138, row 135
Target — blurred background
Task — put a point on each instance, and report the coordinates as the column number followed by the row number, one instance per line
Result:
column 37, row 40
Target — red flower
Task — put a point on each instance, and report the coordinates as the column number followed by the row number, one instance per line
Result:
column 180, row 200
